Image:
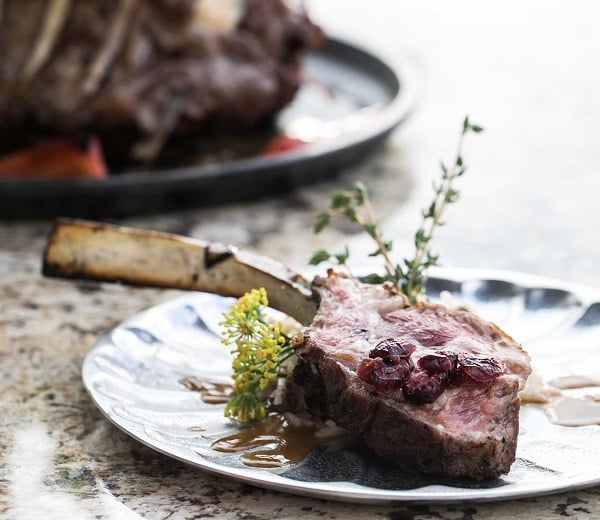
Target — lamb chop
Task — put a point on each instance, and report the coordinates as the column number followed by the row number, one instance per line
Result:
column 422, row 385
column 136, row 72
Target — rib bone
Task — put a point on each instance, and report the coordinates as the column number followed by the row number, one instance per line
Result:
column 114, row 39
column 54, row 18
column 96, row 251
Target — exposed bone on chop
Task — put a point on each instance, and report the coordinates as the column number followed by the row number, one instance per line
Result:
column 97, row 251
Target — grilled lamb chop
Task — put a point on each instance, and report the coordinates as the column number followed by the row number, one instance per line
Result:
column 136, row 72
column 424, row 386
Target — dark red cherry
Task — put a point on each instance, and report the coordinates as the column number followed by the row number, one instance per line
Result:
column 480, row 369
column 423, row 387
column 438, row 362
column 391, row 350
column 365, row 368
column 389, row 378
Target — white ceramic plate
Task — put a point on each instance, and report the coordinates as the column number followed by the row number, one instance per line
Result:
column 133, row 374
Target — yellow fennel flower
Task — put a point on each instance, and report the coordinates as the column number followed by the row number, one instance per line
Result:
column 260, row 348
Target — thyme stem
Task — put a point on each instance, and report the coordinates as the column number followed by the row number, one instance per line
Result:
column 444, row 194
column 377, row 234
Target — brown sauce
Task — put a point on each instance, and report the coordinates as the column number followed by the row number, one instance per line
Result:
column 283, row 443
column 574, row 411
column 212, row 393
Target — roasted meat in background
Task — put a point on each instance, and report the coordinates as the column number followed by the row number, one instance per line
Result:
column 137, row 72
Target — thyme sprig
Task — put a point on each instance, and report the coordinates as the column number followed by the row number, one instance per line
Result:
column 260, row 348
column 355, row 206
column 411, row 275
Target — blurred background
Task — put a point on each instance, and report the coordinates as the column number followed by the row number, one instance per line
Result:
column 525, row 70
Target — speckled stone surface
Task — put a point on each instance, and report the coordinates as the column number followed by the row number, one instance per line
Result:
column 61, row 459
column 524, row 69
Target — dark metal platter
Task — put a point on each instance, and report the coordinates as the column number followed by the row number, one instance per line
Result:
column 353, row 99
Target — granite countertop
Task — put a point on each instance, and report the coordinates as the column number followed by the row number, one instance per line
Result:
column 523, row 69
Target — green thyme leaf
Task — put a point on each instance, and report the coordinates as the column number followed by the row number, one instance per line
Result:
column 342, row 257
column 340, row 199
column 323, row 221
column 319, row 257
column 374, row 278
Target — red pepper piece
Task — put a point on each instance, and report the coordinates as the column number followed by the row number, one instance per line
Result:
column 56, row 158
column 282, row 143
